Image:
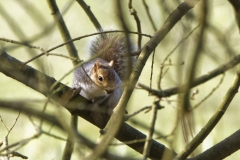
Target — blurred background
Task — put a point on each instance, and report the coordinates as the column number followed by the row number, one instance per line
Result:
column 31, row 21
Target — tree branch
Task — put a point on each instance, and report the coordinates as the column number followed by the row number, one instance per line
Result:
column 40, row 82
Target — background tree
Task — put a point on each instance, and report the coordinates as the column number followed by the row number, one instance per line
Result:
column 186, row 71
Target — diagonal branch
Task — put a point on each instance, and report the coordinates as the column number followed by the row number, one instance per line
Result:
column 40, row 82
column 117, row 116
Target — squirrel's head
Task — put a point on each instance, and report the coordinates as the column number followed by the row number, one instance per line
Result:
column 104, row 75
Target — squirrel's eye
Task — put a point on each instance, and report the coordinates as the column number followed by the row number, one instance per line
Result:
column 100, row 78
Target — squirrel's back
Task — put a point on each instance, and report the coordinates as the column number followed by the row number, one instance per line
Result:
column 113, row 46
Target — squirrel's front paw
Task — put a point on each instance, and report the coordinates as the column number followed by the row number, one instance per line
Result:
column 76, row 91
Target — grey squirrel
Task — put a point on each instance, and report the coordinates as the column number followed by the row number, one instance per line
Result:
column 101, row 79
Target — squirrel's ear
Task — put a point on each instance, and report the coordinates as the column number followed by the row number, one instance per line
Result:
column 96, row 65
column 111, row 63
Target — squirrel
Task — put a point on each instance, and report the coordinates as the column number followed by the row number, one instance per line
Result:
column 101, row 79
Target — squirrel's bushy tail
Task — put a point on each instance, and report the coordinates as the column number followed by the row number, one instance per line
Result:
column 113, row 46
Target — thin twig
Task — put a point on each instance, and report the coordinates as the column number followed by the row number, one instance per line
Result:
column 14, row 123
column 149, row 15
column 170, row 53
column 24, row 44
column 139, row 140
column 151, row 75
column 212, row 91
column 54, row 136
column 137, row 112
column 4, row 123
column 138, row 22
column 21, row 143
column 43, row 110
column 64, row 56
column 148, row 142
column 16, row 154
column 78, row 38
column 90, row 15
